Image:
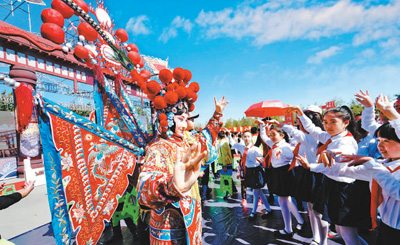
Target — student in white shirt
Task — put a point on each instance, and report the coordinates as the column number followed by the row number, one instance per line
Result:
column 306, row 183
column 347, row 199
column 280, row 157
column 254, row 176
column 384, row 177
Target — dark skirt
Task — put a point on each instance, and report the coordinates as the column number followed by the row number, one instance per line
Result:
column 302, row 184
column 254, row 178
column 280, row 181
column 387, row 235
column 348, row 204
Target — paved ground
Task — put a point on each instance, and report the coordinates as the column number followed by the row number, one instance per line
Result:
column 224, row 222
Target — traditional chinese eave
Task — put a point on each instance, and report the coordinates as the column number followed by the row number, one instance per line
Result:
column 10, row 36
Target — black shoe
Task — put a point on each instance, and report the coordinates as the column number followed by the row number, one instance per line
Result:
column 271, row 199
column 283, row 234
column 266, row 214
column 252, row 216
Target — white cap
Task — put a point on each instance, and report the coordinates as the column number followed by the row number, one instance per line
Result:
column 314, row 108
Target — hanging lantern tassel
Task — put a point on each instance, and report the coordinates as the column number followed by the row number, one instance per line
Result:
column 24, row 99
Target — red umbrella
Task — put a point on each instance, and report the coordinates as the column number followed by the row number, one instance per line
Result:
column 266, row 109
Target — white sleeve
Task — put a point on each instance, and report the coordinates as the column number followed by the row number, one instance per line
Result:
column 316, row 132
column 396, row 125
column 368, row 120
column 264, row 137
column 287, row 151
column 385, row 179
column 236, row 145
column 257, row 152
column 298, row 135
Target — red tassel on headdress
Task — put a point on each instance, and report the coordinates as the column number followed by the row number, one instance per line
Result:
column 98, row 74
column 24, row 102
column 118, row 83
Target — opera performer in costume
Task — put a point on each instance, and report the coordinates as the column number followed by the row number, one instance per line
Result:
column 168, row 181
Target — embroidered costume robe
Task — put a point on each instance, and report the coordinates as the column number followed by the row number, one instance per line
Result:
column 175, row 217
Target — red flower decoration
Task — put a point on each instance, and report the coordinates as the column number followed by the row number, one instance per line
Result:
column 165, row 76
column 178, row 74
column 159, row 102
column 191, row 96
column 188, row 76
column 191, row 107
column 194, row 86
column 181, row 91
column 171, row 97
column 153, row 87
column 171, row 87
column 162, row 116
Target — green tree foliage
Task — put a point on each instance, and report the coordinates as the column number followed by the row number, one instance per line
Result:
column 356, row 107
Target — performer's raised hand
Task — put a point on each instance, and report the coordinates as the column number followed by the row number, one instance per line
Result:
column 220, row 105
column 187, row 170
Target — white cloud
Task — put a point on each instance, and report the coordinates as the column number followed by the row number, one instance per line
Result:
column 318, row 57
column 172, row 31
column 274, row 22
column 137, row 25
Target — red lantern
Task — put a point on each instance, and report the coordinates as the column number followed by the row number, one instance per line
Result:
column 62, row 8
column 83, row 6
column 53, row 32
column 52, row 16
column 134, row 57
column 178, row 74
column 146, row 74
column 132, row 47
column 122, row 35
column 87, row 31
column 141, row 63
column 81, row 52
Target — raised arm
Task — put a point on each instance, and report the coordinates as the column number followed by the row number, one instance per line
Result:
column 387, row 108
column 368, row 115
column 263, row 132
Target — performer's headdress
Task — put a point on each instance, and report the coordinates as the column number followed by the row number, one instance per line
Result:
column 173, row 96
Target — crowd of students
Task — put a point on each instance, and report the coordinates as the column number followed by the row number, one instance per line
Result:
column 343, row 168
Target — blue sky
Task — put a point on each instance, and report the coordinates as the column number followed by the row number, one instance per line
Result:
column 298, row 52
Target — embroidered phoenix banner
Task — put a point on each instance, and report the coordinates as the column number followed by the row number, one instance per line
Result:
column 86, row 171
